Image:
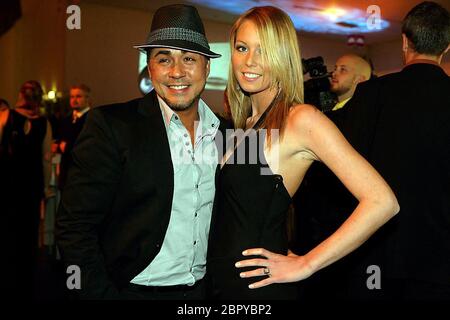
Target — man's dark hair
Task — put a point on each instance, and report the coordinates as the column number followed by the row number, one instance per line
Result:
column 427, row 27
column 82, row 87
column 148, row 52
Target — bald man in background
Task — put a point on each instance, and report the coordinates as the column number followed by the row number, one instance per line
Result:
column 349, row 70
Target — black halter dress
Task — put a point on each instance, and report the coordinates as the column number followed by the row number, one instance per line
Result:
column 250, row 211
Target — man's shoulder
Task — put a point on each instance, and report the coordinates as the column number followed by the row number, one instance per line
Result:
column 375, row 84
column 117, row 108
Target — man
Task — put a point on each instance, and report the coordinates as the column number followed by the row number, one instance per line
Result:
column 71, row 126
column 400, row 122
column 349, row 70
column 136, row 209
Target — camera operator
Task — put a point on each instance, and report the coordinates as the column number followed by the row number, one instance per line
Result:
column 317, row 88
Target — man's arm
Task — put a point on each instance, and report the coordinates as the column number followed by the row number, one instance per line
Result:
column 86, row 201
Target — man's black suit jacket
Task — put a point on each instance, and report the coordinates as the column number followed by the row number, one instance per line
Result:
column 69, row 132
column 401, row 123
column 117, row 200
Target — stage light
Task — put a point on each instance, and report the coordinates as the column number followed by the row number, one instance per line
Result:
column 51, row 95
column 333, row 13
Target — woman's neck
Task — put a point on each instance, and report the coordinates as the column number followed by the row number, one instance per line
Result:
column 28, row 112
column 261, row 101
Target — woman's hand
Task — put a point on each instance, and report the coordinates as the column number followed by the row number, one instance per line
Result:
column 279, row 268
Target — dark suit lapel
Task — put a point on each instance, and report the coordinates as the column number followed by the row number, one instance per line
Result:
column 156, row 142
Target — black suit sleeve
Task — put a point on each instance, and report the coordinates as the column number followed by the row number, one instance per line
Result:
column 361, row 117
column 87, row 199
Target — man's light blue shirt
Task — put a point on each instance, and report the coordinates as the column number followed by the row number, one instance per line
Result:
column 182, row 258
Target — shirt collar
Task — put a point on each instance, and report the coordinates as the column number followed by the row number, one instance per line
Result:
column 340, row 104
column 166, row 111
column 415, row 61
column 208, row 119
column 79, row 114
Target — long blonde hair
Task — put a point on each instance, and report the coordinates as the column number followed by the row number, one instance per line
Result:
column 281, row 53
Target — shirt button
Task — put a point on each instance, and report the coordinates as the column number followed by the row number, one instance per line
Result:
column 195, row 242
column 195, row 214
column 176, row 118
column 189, row 151
column 196, row 186
column 185, row 135
column 213, row 125
column 187, row 143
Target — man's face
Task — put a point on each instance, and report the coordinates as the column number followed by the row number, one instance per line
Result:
column 178, row 77
column 344, row 78
column 78, row 99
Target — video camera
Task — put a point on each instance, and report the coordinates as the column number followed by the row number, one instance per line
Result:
column 317, row 89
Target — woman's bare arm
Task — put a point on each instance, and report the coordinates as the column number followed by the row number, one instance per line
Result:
column 377, row 202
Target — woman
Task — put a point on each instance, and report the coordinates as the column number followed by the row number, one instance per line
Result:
column 25, row 163
column 265, row 93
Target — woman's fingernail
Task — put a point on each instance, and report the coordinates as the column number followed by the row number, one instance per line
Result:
column 244, row 252
column 251, row 286
column 238, row 264
column 242, row 274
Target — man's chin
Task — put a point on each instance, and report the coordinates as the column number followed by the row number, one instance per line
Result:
column 180, row 107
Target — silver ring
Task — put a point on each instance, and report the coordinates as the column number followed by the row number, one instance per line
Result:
column 266, row 271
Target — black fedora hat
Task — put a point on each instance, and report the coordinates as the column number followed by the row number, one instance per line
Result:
column 178, row 26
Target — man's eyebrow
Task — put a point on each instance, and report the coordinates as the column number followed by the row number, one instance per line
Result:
column 164, row 52
column 169, row 53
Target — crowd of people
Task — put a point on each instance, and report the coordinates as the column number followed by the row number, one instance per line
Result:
column 34, row 155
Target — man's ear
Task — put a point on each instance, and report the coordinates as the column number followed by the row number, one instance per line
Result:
column 149, row 73
column 404, row 43
column 208, row 67
column 360, row 78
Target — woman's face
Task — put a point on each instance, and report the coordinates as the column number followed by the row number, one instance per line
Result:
column 248, row 66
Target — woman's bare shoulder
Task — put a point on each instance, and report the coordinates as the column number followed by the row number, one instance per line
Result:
column 301, row 122
column 304, row 116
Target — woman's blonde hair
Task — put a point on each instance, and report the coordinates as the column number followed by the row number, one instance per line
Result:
column 281, row 53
